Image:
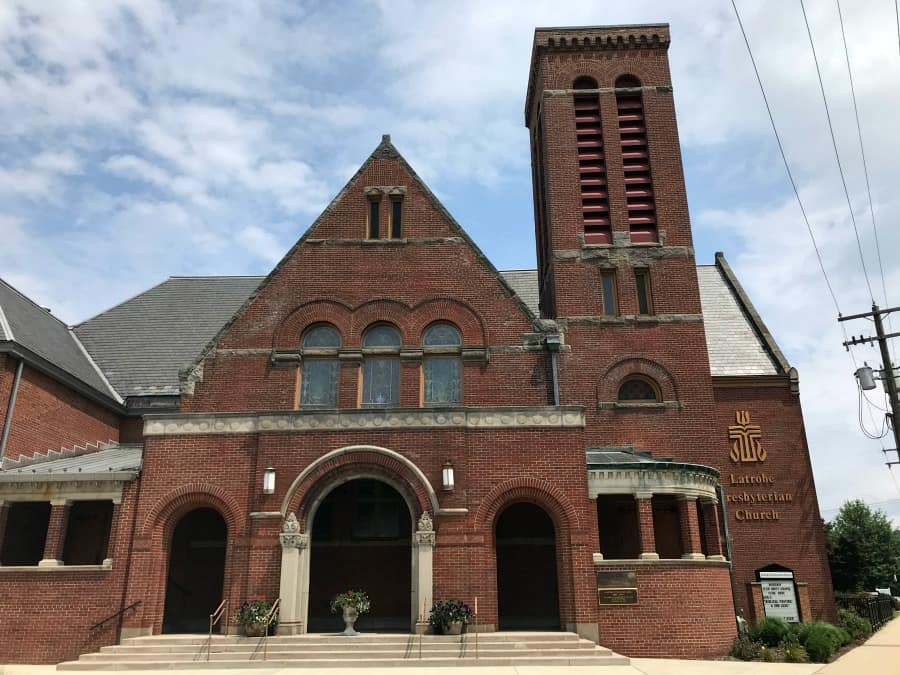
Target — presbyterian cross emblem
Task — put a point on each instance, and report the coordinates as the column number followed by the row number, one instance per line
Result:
column 746, row 446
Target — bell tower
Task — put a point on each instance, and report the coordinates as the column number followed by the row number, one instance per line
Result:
column 611, row 218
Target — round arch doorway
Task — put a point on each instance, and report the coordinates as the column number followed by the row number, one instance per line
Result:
column 362, row 540
column 196, row 571
column 527, row 584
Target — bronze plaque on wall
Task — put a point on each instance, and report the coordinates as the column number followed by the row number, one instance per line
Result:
column 617, row 596
column 616, row 579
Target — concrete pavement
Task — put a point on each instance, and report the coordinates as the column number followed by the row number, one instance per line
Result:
column 880, row 655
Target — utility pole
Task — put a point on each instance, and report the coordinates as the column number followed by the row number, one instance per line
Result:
column 887, row 373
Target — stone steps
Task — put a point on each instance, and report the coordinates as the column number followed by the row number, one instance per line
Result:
column 327, row 651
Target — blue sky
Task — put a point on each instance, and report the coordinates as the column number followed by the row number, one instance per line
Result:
column 144, row 138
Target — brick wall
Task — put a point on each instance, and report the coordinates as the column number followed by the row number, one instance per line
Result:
column 47, row 614
column 49, row 415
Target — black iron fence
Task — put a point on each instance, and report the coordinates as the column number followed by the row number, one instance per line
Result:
column 876, row 608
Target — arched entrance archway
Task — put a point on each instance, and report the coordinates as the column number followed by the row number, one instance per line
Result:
column 196, row 571
column 361, row 539
column 527, row 582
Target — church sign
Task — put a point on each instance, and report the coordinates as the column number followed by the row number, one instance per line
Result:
column 779, row 594
column 617, row 588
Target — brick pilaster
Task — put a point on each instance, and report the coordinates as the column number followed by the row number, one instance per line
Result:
column 690, row 528
column 646, row 533
column 712, row 529
column 56, row 533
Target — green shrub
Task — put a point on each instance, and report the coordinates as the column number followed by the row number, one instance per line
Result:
column 744, row 648
column 770, row 631
column 858, row 627
column 822, row 640
column 769, row 654
column 795, row 654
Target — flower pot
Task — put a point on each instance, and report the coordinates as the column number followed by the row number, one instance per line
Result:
column 350, row 617
column 453, row 628
column 255, row 629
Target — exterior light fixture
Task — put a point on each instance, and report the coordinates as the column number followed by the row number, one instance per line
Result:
column 269, row 481
column 447, row 476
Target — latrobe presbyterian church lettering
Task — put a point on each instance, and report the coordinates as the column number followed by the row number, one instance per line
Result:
column 747, row 448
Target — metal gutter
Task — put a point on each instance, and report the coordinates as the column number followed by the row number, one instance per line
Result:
column 13, row 393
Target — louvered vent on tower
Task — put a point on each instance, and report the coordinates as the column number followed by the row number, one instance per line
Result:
column 591, row 164
column 636, row 160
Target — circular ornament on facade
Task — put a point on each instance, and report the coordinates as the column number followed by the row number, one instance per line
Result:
column 220, row 425
column 172, row 427
column 458, row 419
column 282, row 423
column 204, row 426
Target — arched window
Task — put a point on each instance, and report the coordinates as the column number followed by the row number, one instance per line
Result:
column 638, row 389
column 636, row 160
column 441, row 366
column 381, row 367
column 591, row 163
column 319, row 372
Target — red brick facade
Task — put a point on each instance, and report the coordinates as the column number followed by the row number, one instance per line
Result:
column 508, row 440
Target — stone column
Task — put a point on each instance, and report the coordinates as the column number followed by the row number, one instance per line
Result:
column 712, row 529
column 690, row 528
column 4, row 516
column 423, row 571
column 294, row 571
column 56, row 533
column 646, row 533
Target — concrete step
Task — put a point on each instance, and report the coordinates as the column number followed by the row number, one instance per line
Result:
column 330, row 650
column 537, row 661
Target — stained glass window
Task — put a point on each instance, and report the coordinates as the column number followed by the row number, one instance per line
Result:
column 322, row 335
column 318, row 383
column 381, row 382
column 442, row 335
column 382, row 335
column 637, row 389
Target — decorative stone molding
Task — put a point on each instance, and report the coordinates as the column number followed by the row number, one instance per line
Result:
column 47, row 487
column 677, row 480
column 426, row 538
column 401, row 418
column 296, row 540
column 425, row 523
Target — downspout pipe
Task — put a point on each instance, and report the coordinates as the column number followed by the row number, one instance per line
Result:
column 553, row 342
column 7, row 421
column 739, row 611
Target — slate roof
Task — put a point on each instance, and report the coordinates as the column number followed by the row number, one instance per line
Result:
column 142, row 343
column 27, row 324
column 525, row 284
column 734, row 342
column 121, row 462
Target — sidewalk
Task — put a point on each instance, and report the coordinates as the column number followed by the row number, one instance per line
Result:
column 880, row 655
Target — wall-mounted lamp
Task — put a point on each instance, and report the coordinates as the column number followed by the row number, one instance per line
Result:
column 447, row 475
column 269, row 481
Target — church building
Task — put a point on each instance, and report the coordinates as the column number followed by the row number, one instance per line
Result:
column 610, row 444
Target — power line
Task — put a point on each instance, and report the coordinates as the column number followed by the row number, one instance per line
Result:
column 862, row 153
column 897, row 14
column 787, row 166
column 837, row 155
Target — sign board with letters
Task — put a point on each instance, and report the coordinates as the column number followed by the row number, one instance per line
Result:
column 779, row 594
column 617, row 587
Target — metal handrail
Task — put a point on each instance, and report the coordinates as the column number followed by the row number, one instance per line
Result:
column 268, row 621
column 214, row 618
column 113, row 616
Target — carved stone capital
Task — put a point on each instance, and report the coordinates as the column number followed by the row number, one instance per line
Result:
column 294, row 540
column 424, row 538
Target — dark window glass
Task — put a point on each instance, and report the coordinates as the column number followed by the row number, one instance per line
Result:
column 318, row 383
column 645, row 305
column 26, row 533
column 442, row 335
column 382, row 335
column 322, row 336
column 381, row 382
column 637, row 389
column 373, row 220
column 608, row 280
column 87, row 532
column 396, row 218
column 442, row 381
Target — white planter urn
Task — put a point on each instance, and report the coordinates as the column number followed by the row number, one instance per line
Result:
column 350, row 617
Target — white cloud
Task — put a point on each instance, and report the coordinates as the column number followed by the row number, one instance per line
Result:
column 261, row 243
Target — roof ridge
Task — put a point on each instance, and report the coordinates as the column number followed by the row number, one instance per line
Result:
column 119, row 304
column 95, row 366
column 217, row 276
column 32, row 302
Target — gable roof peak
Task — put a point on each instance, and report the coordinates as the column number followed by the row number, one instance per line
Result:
column 385, row 149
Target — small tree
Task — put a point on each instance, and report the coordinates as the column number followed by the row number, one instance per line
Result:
column 863, row 548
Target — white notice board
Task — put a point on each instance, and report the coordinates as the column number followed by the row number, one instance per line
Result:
column 779, row 595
